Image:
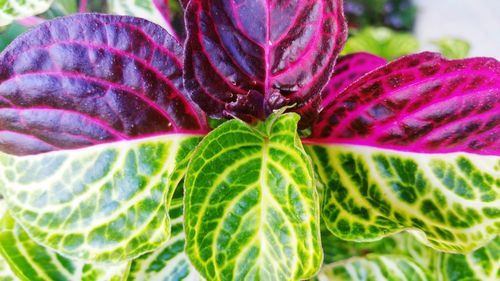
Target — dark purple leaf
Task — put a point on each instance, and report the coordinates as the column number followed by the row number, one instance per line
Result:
column 88, row 79
column 419, row 103
column 347, row 70
column 248, row 58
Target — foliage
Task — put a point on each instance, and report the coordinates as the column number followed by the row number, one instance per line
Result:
column 118, row 163
column 382, row 42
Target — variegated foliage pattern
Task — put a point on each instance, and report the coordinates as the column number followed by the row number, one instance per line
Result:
column 452, row 199
column 105, row 203
column 11, row 10
column 251, row 213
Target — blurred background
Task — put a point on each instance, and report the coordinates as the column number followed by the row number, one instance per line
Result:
column 388, row 28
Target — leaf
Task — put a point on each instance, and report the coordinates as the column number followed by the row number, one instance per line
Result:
column 247, row 59
column 453, row 48
column 6, row 273
column 105, row 203
column 414, row 145
column 348, row 69
column 419, row 103
column 32, row 262
column 9, row 34
column 250, row 210
column 375, row 268
column 481, row 264
column 87, row 79
column 169, row 262
column 11, row 10
column 383, row 42
column 152, row 10
column 372, row 192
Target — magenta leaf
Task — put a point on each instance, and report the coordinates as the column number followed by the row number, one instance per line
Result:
column 248, row 58
column 419, row 103
column 348, row 69
column 87, row 79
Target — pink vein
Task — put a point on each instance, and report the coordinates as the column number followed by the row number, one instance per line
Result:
column 81, row 76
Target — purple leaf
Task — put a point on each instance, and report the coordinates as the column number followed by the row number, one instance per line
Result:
column 419, row 103
column 248, row 58
column 88, row 79
column 347, row 70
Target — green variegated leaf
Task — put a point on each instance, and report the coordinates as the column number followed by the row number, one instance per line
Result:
column 33, row 262
column 169, row 262
column 105, row 203
column 6, row 273
column 452, row 199
column 251, row 211
column 374, row 268
column 482, row 264
column 11, row 10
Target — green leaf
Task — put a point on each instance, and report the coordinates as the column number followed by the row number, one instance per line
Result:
column 482, row 264
column 251, row 208
column 32, row 262
column 11, row 10
column 9, row 34
column 452, row 199
column 105, row 203
column 382, row 41
column 169, row 262
column 6, row 273
column 375, row 268
column 453, row 48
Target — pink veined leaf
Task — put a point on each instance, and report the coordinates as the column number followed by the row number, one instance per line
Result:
column 348, row 69
column 88, row 79
column 248, row 58
column 419, row 103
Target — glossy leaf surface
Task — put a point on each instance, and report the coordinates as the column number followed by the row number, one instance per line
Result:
column 105, row 203
column 169, row 262
column 87, row 79
column 371, row 192
column 11, row 10
column 32, row 262
column 250, row 211
column 419, row 103
column 247, row 58
column 348, row 69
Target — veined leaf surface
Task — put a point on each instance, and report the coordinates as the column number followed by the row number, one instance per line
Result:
column 419, row 103
column 105, row 203
column 414, row 144
column 88, row 79
column 169, row 262
column 375, row 268
column 371, row 192
column 33, row 262
column 248, row 58
column 348, row 69
column 482, row 264
column 11, row 10
column 251, row 212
